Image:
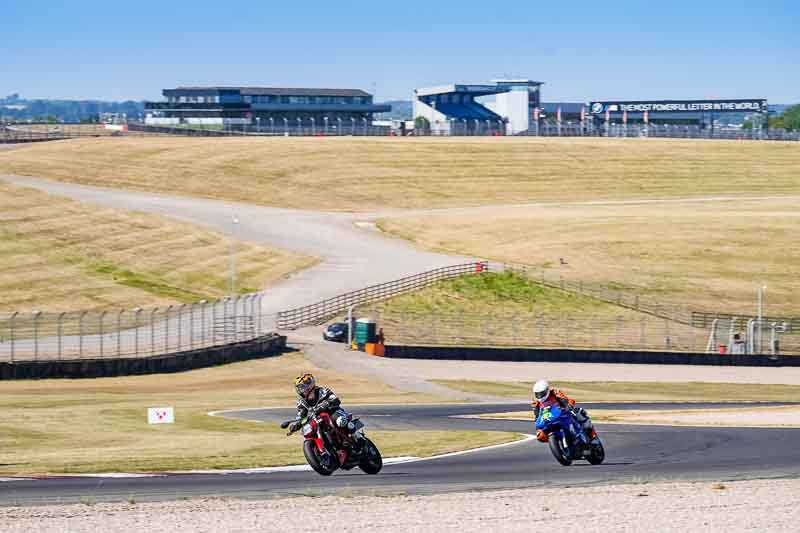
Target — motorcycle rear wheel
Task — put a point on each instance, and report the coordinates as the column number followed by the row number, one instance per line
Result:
column 562, row 456
column 322, row 465
column 372, row 462
column 598, row 454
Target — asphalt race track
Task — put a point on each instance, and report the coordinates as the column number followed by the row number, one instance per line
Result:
column 633, row 454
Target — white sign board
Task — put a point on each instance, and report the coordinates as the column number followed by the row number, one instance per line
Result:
column 160, row 415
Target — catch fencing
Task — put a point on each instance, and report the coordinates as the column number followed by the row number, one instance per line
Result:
column 453, row 128
column 41, row 336
column 628, row 298
column 268, row 129
column 676, row 131
column 315, row 314
column 531, row 329
column 20, row 133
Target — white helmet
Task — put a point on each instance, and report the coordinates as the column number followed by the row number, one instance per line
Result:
column 541, row 389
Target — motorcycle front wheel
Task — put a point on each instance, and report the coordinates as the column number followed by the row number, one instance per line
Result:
column 561, row 454
column 324, row 464
column 372, row 462
column 598, row 454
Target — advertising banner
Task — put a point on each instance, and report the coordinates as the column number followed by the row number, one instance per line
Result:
column 681, row 106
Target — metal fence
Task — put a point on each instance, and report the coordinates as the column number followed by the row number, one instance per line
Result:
column 318, row 313
column 272, row 127
column 705, row 319
column 628, row 298
column 551, row 331
column 269, row 129
column 677, row 131
column 53, row 132
column 41, row 336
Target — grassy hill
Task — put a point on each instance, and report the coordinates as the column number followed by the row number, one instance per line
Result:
column 60, row 255
column 363, row 174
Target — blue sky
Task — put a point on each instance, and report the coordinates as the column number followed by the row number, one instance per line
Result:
column 582, row 50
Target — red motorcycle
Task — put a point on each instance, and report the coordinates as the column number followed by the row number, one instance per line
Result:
column 328, row 447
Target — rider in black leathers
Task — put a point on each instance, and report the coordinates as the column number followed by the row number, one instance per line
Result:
column 321, row 399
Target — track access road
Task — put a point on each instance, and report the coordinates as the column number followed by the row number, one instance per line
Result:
column 634, row 453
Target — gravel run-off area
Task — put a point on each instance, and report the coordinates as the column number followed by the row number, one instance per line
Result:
column 762, row 505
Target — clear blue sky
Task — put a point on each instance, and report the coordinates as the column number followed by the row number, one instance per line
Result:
column 583, row 50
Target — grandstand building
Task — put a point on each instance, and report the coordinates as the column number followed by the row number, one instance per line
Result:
column 264, row 107
column 505, row 106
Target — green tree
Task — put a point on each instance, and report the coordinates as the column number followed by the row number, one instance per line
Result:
column 776, row 122
column 791, row 118
column 422, row 123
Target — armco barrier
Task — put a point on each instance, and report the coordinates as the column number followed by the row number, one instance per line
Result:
column 264, row 346
column 452, row 353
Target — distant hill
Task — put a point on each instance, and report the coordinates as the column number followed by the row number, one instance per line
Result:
column 401, row 110
column 13, row 107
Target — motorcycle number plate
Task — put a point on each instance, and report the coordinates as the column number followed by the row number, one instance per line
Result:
column 307, row 429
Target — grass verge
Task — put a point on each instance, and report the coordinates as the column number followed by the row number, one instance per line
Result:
column 60, row 255
column 627, row 391
column 101, row 425
column 492, row 292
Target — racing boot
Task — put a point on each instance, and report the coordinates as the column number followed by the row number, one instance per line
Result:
column 591, row 434
column 357, row 436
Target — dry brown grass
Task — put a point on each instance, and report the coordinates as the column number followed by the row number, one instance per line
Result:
column 58, row 254
column 101, row 424
column 365, row 174
column 707, row 255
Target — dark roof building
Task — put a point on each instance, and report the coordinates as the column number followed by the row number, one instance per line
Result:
column 275, row 107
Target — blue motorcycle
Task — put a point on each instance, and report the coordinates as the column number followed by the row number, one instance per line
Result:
column 559, row 428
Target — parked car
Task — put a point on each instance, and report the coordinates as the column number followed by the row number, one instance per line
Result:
column 336, row 332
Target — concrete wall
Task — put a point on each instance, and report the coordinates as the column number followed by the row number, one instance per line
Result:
column 266, row 346
column 513, row 105
column 583, row 356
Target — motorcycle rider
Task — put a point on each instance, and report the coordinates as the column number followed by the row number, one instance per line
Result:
column 321, row 399
column 543, row 393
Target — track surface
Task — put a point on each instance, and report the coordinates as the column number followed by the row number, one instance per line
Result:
column 634, row 453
